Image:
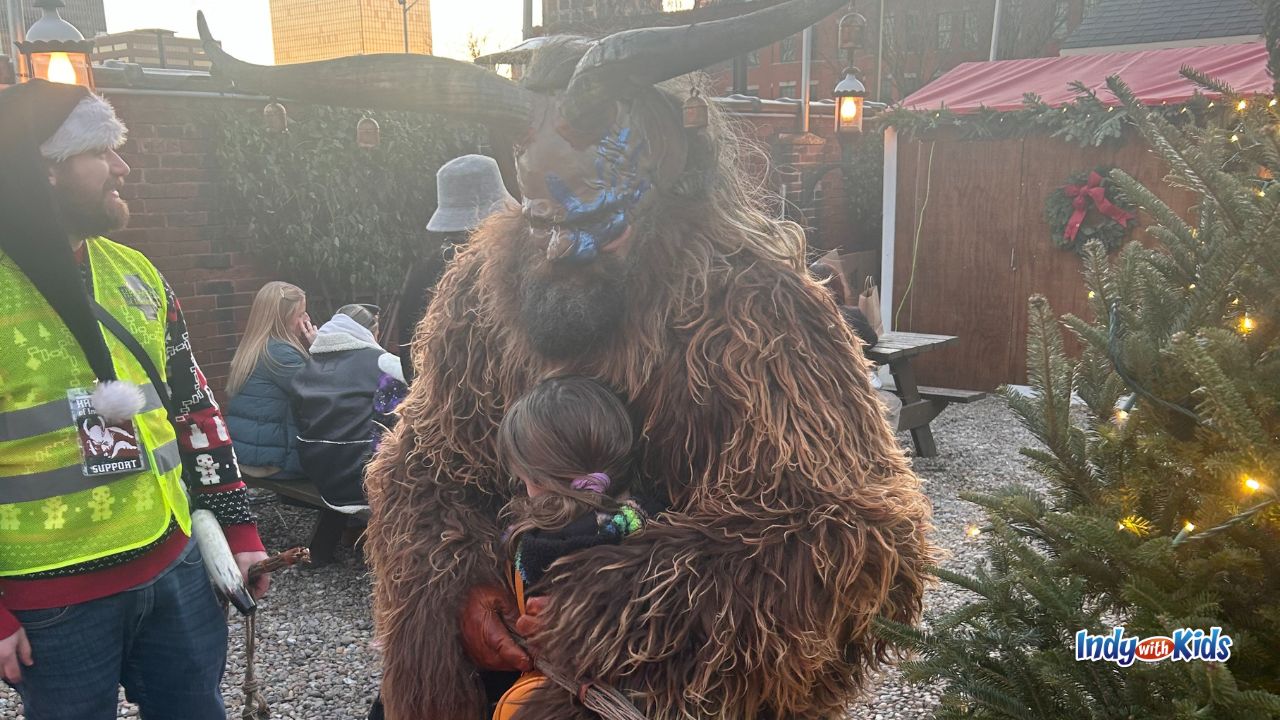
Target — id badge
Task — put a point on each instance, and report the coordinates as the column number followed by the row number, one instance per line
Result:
column 105, row 448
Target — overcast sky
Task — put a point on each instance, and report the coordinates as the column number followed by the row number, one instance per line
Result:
column 244, row 26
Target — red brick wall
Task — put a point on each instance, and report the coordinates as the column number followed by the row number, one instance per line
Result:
column 793, row 159
column 179, row 222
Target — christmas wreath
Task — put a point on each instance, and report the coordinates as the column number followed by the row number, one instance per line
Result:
column 1088, row 207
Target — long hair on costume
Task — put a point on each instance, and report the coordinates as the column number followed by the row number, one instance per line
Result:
column 561, row 430
column 272, row 317
column 756, row 412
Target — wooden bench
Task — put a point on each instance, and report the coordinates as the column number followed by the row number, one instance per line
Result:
column 329, row 525
column 920, row 405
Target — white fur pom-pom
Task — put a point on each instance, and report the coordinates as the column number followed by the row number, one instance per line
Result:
column 115, row 400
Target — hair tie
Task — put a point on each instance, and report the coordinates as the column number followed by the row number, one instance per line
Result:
column 594, row 482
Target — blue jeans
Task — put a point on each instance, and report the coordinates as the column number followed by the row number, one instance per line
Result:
column 166, row 642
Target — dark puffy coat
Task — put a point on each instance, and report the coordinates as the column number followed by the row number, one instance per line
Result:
column 333, row 407
column 262, row 428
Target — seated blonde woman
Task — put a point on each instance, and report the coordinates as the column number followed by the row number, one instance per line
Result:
column 272, row 351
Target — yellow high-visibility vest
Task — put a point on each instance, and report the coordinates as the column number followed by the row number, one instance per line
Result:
column 51, row 514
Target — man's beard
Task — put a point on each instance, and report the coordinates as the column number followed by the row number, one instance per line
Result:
column 90, row 214
column 567, row 312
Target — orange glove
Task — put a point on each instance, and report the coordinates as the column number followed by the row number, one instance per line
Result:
column 485, row 637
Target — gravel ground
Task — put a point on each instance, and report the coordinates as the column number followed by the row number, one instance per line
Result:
column 978, row 448
column 314, row 653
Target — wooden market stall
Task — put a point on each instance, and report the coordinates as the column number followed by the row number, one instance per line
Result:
column 965, row 239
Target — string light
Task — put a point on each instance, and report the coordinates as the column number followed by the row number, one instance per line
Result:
column 1272, row 103
column 1242, row 105
column 1235, row 138
column 1092, row 294
column 1120, row 417
column 1188, row 527
column 972, row 530
column 1192, row 286
column 1211, row 104
column 1135, row 525
column 1252, row 485
column 1247, row 324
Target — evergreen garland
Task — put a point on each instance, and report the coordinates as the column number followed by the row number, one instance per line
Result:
column 1087, row 121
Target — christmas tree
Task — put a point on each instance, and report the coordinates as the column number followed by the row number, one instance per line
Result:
column 1161, row 446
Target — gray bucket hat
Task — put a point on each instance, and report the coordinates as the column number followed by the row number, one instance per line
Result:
column 468, row 188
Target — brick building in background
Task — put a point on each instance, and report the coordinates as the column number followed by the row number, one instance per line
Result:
column 153, row 48
column 922, row 38
column 305, row 30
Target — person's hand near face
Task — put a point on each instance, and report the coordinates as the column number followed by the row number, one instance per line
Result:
column 302, row 326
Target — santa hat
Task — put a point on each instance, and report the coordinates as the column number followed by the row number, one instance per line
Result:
column 43, row 122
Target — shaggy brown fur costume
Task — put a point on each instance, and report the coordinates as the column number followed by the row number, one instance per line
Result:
column 794, row 521
column 795, row 518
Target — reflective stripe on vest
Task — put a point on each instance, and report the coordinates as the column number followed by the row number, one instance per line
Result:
column 51, row 515
column 70, row 479
column 41, row 419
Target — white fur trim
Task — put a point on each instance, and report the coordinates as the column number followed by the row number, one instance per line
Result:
column 390, row 364
column 115, row 401
column 91, row 127
column 332, row 342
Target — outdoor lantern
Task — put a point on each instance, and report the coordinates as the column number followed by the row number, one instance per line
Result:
column 276, row 117
column 368, row 134
column 696, row 111
column 55, row 50
column 851, row 28
column 850, row 94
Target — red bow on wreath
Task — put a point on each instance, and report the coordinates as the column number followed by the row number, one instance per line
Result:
column 1092, row 190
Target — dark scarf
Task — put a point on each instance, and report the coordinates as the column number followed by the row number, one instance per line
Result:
column 538, row 549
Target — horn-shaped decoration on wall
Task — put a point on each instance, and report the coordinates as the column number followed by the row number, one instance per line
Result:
column 368, row 134
column 399, row 81
column 611, row 69
column 275, row 117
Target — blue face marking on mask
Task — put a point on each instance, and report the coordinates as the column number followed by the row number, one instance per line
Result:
column 594, row 223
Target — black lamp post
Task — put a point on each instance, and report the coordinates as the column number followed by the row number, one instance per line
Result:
column 55, row 50
column 850, row 97
column 405, row 7
column 850, row 94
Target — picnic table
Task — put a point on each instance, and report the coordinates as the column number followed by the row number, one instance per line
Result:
column 920, row 405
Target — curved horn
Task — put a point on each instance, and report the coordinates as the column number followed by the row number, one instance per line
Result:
column 651, row 55
column 385, row 82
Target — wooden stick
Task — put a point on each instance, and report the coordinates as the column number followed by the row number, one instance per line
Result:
column 280, row 561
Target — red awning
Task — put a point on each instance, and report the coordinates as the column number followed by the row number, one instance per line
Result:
column 1152, row 74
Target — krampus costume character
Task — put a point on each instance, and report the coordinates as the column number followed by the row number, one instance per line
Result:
column 638, row 257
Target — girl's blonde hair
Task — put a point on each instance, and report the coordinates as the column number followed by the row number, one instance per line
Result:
column 273, row 310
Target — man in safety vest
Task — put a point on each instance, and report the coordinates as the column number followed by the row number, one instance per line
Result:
column 109, row 439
